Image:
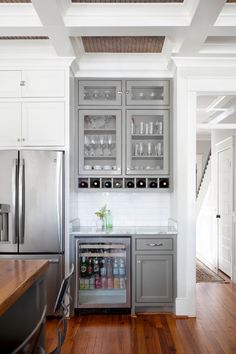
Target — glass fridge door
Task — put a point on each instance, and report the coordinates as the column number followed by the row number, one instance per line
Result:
column 103, row 272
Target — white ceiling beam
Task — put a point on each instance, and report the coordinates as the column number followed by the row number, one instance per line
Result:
column 50, row 15
column 222, row 116
column 204, row 18
column 225, row 126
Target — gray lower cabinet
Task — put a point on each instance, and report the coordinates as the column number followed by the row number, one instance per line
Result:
column 154, row 281
column 154, row 275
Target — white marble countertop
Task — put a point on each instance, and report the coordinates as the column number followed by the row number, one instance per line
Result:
column 124, row 231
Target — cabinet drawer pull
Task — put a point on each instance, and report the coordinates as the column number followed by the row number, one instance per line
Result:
column 154, row 244
column 127, row 92
column 119, row 92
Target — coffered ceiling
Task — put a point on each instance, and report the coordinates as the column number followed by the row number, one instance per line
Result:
column 92, row 30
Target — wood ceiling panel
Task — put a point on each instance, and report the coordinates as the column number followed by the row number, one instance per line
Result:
column 129, row 1
column 22, row 37
column 148, row 44
column 231, row 1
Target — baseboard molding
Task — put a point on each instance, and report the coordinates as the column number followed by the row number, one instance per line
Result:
column 185, row 307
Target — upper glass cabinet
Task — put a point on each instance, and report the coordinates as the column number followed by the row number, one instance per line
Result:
column 147, row 93
column 147, row 142
column 100, row 142
column 100, row 93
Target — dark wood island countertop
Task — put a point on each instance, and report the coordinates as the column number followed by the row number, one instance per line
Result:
column 16, row 277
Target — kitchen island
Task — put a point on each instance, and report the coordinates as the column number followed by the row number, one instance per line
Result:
column 22, row 299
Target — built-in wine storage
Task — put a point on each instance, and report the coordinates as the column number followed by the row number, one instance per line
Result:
column 124, row 130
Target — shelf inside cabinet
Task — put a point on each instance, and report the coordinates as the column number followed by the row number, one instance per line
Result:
column 99, row 157
column 104, row 255
column 147, row 157
column 105, row 246
column 98, row 131
column 146, row 136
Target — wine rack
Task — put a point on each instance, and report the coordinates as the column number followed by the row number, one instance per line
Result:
column 137, row 183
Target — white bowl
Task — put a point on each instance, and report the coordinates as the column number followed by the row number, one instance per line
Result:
column 88, row 167
column 97, row 167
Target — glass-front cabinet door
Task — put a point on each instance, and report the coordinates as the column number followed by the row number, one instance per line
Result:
column 100, row 142
column 147, row 92
column 147, row 142
column 100, row 93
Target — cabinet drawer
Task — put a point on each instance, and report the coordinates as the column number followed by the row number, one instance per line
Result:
column 154, row 244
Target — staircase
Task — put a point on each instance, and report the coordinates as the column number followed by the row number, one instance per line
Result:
column 204, row 184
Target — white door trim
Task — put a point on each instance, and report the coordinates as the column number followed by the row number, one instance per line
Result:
column 223, row 145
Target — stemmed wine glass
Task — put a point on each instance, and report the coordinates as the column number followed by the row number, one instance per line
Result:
column 87, row 145
column 110, row 144
column 102, row 143
column 94, row 145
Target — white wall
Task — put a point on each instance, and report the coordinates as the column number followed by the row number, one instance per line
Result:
column 127, row 208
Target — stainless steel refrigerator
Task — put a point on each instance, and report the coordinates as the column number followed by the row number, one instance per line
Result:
column 31, row 210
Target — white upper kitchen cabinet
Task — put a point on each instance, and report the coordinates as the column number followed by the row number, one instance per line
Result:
column 32, row 124
column 10, row 83
column 10, row 124
column 32, row 83
column 43, row 124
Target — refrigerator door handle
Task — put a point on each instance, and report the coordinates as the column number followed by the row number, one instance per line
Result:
column 14, row 202
column 53, row 260
column 59, row 197
column 22, row 201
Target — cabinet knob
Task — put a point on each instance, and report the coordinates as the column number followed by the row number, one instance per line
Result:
column 119, row 92
column 18, row 139
column 23, row 139
column 22, row 83
column 126, row 92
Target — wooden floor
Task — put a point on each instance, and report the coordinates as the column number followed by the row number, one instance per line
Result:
column 213, row 331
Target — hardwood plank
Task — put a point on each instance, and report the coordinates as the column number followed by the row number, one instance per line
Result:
column 212, row 332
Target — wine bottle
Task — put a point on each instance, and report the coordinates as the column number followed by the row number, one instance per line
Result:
column 83, row 184
column 153, row 184
column 96, row 183
column 117, row 184
column 164, row 183
column 130, row 184
column 107, row 184
column 141, row 183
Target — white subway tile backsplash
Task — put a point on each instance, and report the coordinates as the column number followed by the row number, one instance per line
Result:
column 128, row 209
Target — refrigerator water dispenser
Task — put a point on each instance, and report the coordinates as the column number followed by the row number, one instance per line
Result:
column 4, row 216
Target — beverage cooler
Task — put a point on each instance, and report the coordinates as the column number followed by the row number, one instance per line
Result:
column 103, row 272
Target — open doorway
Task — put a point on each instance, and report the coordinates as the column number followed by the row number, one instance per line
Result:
column 215, row 180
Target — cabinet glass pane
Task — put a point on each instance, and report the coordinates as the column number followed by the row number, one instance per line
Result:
column 103, row 273
column 100, row 92
column 147, row 142
column 147, row 93
column 100, row 142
